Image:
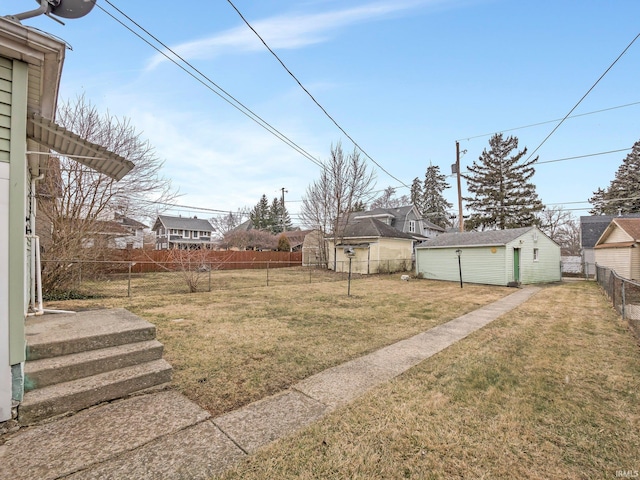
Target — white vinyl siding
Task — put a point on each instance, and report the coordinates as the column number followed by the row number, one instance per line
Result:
column 618, row 236
column 617, row 259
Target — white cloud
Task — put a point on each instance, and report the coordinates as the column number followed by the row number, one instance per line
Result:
column 286, row 31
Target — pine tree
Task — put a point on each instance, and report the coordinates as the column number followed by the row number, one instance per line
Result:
column 623, row 194
column 259, row 214
column 434, row 205
column 278, row 218
column 503, row 196
column 417, row 196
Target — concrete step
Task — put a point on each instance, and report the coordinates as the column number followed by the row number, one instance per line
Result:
column 50, row 371
column 79, row 394
column 63, row 334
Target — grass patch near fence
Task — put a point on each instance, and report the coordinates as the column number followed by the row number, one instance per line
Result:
column 550, row 390
column 229, row 348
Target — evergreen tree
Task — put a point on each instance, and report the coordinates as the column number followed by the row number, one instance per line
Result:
column 623, row 194
column 417, row 196
column 259, row 214
column 434, row 205
column 279, row 219
column 503, row 196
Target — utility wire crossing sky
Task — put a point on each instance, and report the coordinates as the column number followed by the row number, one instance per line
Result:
column 402, row 79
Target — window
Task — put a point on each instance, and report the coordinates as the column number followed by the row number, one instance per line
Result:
column 412, row 226
column 194, row 234
column 535, row 255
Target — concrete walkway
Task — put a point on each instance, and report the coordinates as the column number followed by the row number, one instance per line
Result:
column 165, row 435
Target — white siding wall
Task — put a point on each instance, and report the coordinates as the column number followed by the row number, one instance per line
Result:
column 546, row 268
column 617, row 259
column 617, row 236
column 635, row 263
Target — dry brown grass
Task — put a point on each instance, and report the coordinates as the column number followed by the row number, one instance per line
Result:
column 229, row 348
column 550, row 390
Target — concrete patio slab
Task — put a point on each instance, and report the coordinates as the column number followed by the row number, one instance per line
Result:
column 266, row 420
column 196, row 453
column 56, row 449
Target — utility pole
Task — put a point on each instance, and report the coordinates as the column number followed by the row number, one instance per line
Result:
column 284, row 227
column 460, row 219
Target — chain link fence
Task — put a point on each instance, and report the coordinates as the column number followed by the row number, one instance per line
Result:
column 624, row 295
column 91, row 279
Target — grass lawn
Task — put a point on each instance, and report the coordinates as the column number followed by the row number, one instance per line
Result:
column 550, row 390
column 230, row 348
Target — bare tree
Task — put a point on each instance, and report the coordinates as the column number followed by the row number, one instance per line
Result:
column 78, row 203
column 193, row 266
column 388, row 199
column 249, row 239
column 561, row 226
column 223, row 224
column 345, row 182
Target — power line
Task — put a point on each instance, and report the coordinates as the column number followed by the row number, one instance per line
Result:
column 549, row 121
column 230, row 99
column 584, row 96
column 583, row 156
column 312, row 97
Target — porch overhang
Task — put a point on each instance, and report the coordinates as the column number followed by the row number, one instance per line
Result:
column 54, row 137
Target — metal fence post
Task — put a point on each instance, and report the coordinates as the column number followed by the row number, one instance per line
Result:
column 623, row 300
column 267, row 274
column 129, row 282
column 210, row 277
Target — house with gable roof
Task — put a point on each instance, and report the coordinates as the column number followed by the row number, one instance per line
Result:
column 591, row 228
column 377, row 247
column 182, row 232
column 407, row 219
column 30, row 70
column 618, row 248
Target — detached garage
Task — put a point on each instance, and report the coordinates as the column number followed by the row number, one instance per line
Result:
column 498, row 257
column 617, row 247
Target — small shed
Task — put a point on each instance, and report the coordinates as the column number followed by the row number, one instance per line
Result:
column 497, row 257
column 617, row 247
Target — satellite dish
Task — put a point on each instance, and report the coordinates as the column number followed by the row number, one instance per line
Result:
column 58, row 8
column 71, row 8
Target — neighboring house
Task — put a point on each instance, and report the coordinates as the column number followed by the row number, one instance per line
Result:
column 296, row 238
column 377, row 248
column 618, row 247
column 182, row 232
column 498, row 257
column 591, row 228
column 30, row 69
column 134, row 237
column 407, row 219
column 103, row 234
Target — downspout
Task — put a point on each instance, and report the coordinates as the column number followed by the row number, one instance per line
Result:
column 36, row 266
column 36, row 275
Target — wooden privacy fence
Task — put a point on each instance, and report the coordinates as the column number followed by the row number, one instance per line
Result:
column 162, row 260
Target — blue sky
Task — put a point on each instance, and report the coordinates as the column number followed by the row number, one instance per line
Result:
column 404, row 78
